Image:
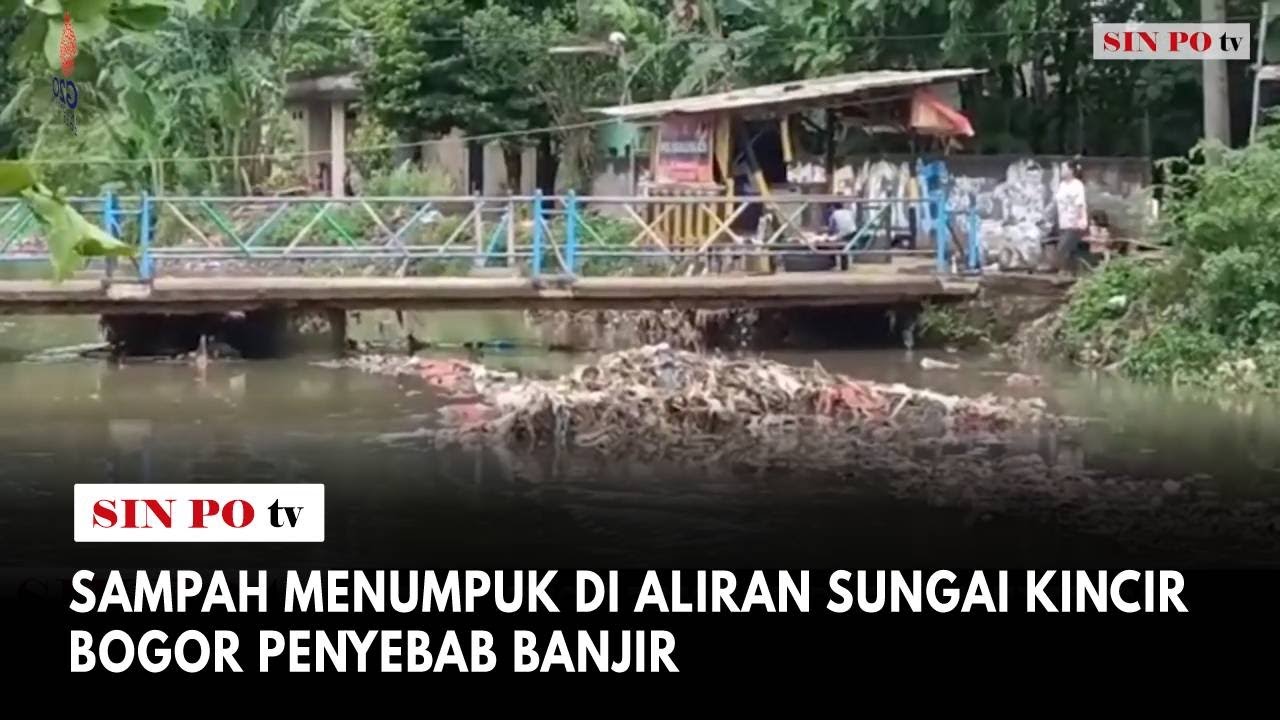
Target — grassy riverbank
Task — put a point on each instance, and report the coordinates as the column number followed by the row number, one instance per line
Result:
column 1208, row 313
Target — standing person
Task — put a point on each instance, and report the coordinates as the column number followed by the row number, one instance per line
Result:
column 1073, row 217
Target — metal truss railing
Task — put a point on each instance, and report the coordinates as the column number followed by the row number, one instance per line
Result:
column 563, row 236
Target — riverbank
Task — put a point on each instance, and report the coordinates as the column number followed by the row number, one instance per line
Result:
column 1208, row 314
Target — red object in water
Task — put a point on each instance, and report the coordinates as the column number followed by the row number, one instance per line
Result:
column 67, row 47
column 447, row 374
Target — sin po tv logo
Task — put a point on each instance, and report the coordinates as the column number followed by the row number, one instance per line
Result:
column 64, row 90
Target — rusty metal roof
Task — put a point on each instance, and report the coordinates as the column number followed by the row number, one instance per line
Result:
column 815, row 91
column 325, row 87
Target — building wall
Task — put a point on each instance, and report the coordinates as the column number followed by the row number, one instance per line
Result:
column 450, row 155
column 1013, row 193
column 317, row 135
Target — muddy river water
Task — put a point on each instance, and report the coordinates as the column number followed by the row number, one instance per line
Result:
column 72, row 419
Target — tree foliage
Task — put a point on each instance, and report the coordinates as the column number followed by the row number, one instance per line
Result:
column 415, row 81
column 69, row 237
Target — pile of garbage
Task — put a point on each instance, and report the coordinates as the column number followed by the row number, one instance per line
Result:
column 656, row 401
column 657, row 408
column 609, row 330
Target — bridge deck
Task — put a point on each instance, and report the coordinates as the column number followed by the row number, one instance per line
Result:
column 210, row 294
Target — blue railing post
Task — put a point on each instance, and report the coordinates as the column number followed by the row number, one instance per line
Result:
column 108, row 226
column 571, row 233
column 537, row 234
column 144, row 238
column 935, row 189
column 942, row 231
column 975, row 240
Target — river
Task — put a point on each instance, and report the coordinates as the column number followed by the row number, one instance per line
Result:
column 80, row 420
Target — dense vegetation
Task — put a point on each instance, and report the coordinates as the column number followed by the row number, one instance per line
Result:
column 196, row 104
column 1209, row 314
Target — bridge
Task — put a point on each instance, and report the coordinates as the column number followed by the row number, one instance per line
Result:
column 212, row 254
column 226, row 294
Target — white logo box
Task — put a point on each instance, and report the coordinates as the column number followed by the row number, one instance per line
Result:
column 1173, row 41
column 99, row 512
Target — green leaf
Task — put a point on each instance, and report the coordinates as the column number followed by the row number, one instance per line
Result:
column 31, row 39
column 60, row 231
column 17, row 102
column 69, row 237
column 52, row 38
column 14, row 178
column 86, row 69
column 96, row 242
column 243, row 10
column 83, row 10
column 48, row 7
column 139, row 17
column 90, row 27
column 139, row 104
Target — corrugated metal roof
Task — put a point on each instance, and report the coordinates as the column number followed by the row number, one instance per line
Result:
column 797, row 91
column 325, row 87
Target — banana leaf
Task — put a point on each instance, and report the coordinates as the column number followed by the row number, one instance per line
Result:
column 69, row 237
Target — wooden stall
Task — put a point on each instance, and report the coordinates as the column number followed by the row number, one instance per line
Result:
column 774, row 144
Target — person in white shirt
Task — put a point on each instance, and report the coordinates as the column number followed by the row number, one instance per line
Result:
column 1073, row 217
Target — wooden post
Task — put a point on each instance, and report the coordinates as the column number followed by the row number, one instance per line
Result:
column 724, row 159
column 784, row 135
column 338, row 148
column 830, row 160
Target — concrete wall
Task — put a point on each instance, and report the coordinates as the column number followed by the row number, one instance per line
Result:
column 612, row 179
column 450, row 154
column 316, row 138
column 1014, row 194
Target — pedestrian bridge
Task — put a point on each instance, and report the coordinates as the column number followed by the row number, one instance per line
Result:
column 209, row 254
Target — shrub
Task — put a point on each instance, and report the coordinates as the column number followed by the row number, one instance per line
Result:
column 1210, row 313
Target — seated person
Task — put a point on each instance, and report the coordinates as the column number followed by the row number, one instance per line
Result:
column 843, row 224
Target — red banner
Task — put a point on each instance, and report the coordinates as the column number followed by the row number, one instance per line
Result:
column 685, row 151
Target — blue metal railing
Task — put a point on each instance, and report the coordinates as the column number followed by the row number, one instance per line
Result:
column 552, row 237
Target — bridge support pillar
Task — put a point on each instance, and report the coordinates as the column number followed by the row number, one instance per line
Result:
column 270, row 332
column 305, row 331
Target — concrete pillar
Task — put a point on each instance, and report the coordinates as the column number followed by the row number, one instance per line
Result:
column 1217, row 102
column 337, row 318
column 317, row 138
column 338, row 147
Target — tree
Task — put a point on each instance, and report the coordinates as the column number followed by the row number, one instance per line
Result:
column 486, row 68
column 205, row 85
column 504, row 54
column 70, row 238
column 415, row 81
